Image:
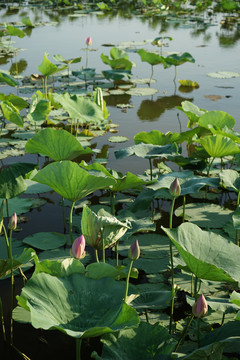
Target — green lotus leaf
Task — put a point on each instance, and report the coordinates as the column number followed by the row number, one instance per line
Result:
column 85, row 74
column 150, row 57
column 234, row 135
column 154, row 300
column 208, row 255
column 176, row 60
column 189, row 183
column 27, row 22
column 118, row 139
column 77, row 305
column 224, row 75
column 5, row 77
column 48, row 68
column 146, row 342
column 116, row 74
column 23, row 258
column 219, row 146
column 142, row 91
column 189, row 83
column 14, row 31
column 156, row 137
column 99, row 270
column 22, row 205
column 45, row 240
column 217, row 119
column 11, row 113
column 192, row 111
column 71, row 181
column 147, row 151
column 80, row 108
column 39, row 109
column 59, row 268
column 12, row 182
column 100, row 227
column 230, row 179
column 57, row 144
column 17, row 101
column 60, row 58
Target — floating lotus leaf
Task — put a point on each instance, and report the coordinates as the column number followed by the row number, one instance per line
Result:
column 147, row 151
column 45, row 240
column 208, row 255
column 142, row 91
column 57, row 144
column 118, row 139
column 224, row 74
column 77, row 305
column 116, row 74
column 71, row 181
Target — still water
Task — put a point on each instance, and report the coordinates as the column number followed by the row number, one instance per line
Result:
column 213, row 47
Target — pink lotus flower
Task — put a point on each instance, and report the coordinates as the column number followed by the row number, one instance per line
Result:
column 134, row 251
column 175, row 188
column 13, row 222
column 200, row 308
column 78, row 248
column 88, row 41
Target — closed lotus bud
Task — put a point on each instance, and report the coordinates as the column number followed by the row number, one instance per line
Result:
column 175, row 188
column 200, row 308
column 13, row 222
column 88, row 41
column 134, row 251
column 78, row 248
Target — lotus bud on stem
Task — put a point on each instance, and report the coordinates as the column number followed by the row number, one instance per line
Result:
column 133, row 254
column 199, row 310
column 78, row 248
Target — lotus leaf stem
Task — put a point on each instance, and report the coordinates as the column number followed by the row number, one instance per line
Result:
column 25, row 357
column 223, row 318
column 195, row 288
column 116, row 250
column 184, row 333
column 172, row 270
column 103, row 248
column 64, row 217
column 12, row 286
column 2, row 321
column 184, row 208
column 127, row 280
column 112, row 197
column 96, row 255
column 150, row 164
column 70, row 221
column 78, row 348
column 198, row 332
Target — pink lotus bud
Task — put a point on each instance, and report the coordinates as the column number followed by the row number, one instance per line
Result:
column 88, row 41
column 13, row 222
column 78, row 248
column 134, row 251
column 200, row 308
column 175, row 188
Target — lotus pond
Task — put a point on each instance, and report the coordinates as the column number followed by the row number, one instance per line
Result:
column 119, row 180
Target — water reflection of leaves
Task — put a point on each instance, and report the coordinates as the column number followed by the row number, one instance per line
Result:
column 18, row 67
column 151, row 110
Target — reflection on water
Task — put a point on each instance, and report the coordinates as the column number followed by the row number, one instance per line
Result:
column 18, row 67
column 151, row 110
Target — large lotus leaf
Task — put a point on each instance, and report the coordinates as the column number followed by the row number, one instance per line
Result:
column 76, row 305
column 96, row 166
column 59, row 268
column 156, row 137
column 71, row 181
column 150, row 57
column 208, row 255
column 206, row 215
column 5, row 77
column 22, row 205
column 45, row 240
column 14, row 31
column 34, row 187
column 218, row 119
column 219, row 146
column 176, row 60
column 189, row 184
column 39, row 109
column 227, row 133
column 192, row 111
column 80, row 108
column 137, row 225
column 85, row 74
column 100, row 227
column 144, row 343
column 57, row 144
column 117, row 53
column 47, row 67
column 147, row 151
column 230, row 179
column 5, row 265
column 117, row 64
column 11, row 113
column 12, row 182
